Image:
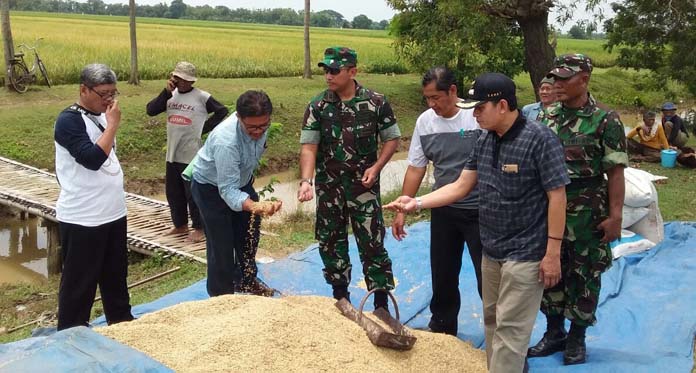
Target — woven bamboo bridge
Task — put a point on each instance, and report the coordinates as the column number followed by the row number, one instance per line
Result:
column 35, row 191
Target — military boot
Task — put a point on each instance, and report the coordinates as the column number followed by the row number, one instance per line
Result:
column 381, row 300
column 341, row 291
column 554, row 340
column 575, row 350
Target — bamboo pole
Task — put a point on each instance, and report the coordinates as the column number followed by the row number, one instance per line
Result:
column 146, row 280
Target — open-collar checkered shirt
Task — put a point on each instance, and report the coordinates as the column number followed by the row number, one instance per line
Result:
column 514, row 173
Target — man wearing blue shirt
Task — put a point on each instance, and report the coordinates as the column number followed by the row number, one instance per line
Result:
column 546, row 98
column 521, row 175
column 222, row 187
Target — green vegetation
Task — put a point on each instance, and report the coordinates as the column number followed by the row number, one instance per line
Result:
column 657, row 36
column 23, row 303
column 218, row 49
column 26, row 124
column 227, row 50
column 593, row 48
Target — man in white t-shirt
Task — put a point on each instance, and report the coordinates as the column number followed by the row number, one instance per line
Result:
column 187, row 119
column 91, row 207
column 444, row 135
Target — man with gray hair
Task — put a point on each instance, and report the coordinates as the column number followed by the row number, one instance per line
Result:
column 91, row 207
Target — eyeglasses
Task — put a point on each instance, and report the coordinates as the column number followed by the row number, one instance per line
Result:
column 261, row 128
column 332, row 71
column 106, row 95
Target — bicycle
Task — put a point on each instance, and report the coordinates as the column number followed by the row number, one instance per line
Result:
column 20, row 75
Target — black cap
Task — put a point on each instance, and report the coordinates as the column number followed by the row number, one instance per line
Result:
column 490, row 87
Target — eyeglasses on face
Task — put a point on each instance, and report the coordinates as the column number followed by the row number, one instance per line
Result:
column 261, row 128
column 106, row 95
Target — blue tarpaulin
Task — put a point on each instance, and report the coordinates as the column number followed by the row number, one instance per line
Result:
column 75, row 350
column 646, row 318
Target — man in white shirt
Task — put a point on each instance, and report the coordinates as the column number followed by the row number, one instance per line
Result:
column 444, row 135
column 91, row 208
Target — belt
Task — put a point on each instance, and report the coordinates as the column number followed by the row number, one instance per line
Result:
column 585, row 182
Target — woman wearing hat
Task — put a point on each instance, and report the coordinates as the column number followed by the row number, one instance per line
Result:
column 673, row 125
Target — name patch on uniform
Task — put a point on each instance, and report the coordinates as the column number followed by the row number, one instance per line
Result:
column 511, row 168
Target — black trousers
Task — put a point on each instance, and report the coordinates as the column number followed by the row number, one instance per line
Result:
column 450, row 228
column 93, row 256
column 179, row 198
column 231, row 240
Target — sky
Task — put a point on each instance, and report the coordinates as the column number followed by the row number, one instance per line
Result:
column 376, row 10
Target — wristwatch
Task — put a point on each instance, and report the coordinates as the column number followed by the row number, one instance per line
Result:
column 308, row 181
column 419, row 203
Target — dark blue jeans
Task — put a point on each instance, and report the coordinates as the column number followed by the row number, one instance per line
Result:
column 231, row 241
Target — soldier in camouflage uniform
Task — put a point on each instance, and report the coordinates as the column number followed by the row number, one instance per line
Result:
column 595, row 144
column 339, row 138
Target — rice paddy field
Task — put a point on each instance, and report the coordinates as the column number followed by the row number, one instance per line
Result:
column 219, row 49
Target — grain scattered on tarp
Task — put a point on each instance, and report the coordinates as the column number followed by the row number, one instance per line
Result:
column 298, row 333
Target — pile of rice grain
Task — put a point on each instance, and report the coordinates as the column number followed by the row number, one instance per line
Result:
column 297, row 333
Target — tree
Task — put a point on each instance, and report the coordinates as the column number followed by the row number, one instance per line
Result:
column 6, row 36
column 447, row 32
column 134, row 78
column 307, row 56
column 177, row 9
column 590, row 30
column 327, row 18
column 321, row 20
column 530, row 18
column 577, row 32
column 656, row 35
column 362, row 22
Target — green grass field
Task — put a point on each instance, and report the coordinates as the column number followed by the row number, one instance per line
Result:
column 592, row 48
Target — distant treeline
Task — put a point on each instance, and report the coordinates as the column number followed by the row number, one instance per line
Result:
column 178, row 10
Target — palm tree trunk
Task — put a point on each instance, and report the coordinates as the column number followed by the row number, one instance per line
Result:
column 7, row 36
column 307, row 55
column 134, row 79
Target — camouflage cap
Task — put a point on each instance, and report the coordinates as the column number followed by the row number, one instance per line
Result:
column 337, row 57
column 567, row 65
column 547, row 80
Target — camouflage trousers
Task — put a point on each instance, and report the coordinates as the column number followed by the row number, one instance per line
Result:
column 338, row 201
column 584, row 257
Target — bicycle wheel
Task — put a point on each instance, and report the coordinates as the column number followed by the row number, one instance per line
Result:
column 19, row 77
column 42, row 68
